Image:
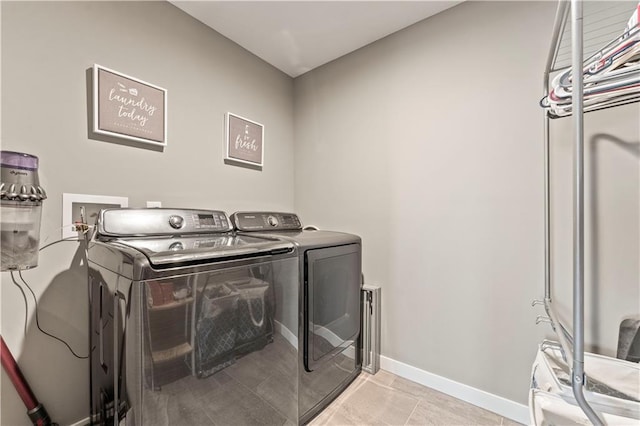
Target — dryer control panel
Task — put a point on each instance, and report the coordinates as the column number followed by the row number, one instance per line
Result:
column 266, row 221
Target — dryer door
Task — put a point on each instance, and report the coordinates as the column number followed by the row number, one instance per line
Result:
column 332, row 302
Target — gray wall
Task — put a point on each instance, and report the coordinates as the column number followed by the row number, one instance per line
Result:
column 46, row 49
column 429, row 145
column 612, row 221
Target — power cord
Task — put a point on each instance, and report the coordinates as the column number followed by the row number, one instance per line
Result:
column 72, row 239
column 82, row 229
column 26, row 304
column 35, row 299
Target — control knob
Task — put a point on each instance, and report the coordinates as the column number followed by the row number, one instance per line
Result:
column 177, row 246
column 176, row 221
column 273, row 221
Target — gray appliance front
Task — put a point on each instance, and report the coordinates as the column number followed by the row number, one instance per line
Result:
column 189, row 323
column 331, row 351
column 330, row 307
column 216, row 346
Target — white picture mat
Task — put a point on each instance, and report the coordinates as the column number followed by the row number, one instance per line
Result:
column 96, row 107
column 93, row 203
column 228, row 141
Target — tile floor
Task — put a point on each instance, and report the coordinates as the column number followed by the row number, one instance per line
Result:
column 386, row 399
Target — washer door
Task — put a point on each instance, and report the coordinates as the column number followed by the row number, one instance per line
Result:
column 332, row 302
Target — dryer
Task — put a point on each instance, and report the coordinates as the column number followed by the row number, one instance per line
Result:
column 329, row 304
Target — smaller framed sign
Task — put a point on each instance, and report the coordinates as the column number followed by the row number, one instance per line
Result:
column 244, row 140
column 129, row 108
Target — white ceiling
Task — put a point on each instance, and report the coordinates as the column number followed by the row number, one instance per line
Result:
column 298, row 36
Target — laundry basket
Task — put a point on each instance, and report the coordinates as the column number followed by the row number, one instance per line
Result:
column 255, row 314
column 216, row 331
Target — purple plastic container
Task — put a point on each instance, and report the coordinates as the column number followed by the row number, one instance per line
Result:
column 18, row 160
column 21, row 204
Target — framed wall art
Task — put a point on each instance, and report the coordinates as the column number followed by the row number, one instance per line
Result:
column 129, row 108
column 78, row 207
column 244, row 141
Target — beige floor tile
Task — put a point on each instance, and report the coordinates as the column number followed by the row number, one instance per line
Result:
column 383, row 377
column 324, row 418
column 386, row 399
column 463, row 413
column 509, row 422
column 347, row 416
column 415, row 389
column 427, row 414
column 435, row 414
column 357, row 383
column 374, row 403
column 442, row 400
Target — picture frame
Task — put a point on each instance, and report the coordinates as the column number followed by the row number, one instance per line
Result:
column 72, row 205
column 128, row 108
column 244, row 141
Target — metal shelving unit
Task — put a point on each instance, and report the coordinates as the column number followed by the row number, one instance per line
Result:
column 593, row 30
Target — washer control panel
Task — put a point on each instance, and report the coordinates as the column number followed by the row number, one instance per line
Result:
column 266, row 221
column 161, row 221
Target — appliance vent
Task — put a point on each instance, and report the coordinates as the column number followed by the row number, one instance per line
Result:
column 371, row 329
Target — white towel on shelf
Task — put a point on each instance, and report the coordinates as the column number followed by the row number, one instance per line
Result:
column 612, row 388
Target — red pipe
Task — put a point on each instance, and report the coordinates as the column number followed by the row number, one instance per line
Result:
column 35, row 410
column 19, row 382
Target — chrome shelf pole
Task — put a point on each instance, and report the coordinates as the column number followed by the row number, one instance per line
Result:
column 564, row 337
column 578, row 375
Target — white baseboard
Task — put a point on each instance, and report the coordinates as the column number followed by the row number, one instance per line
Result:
column 83, row 422
column 494, row 403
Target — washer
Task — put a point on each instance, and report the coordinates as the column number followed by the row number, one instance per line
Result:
column 329, row 305
column 187, row 320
